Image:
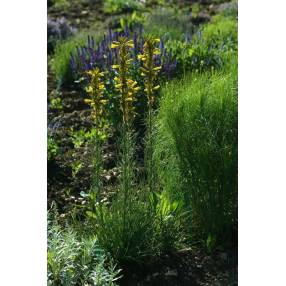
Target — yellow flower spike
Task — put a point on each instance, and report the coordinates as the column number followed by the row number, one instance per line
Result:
column 126, row 86
column 149, row 71
column 95, row 90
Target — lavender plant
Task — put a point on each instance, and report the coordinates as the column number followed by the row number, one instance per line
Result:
column 102, row 56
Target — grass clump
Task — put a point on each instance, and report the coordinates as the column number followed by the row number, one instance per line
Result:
column 61, row 61
column 198, row 117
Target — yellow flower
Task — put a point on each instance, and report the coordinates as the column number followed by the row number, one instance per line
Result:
column 89, row 89
column 88, row 101
column 114, row 45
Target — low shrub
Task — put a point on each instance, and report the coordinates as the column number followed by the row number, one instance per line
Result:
column 74, row 259
column 198, row 117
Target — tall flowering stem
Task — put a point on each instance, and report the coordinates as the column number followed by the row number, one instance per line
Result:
column 95, row 90
column 127, row 89
column 150, row 71
column 125, row 85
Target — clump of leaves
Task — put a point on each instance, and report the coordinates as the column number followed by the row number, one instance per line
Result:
column 53, row 148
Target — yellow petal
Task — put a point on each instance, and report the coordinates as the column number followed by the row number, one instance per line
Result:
column 88, row 101
column 89, row 89
column 114, row 45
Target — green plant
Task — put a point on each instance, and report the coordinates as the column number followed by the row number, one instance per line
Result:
column 119, row 6
column 61, row 60
column 53, row 148
column 220, row 31
column 150, row 73
column 55, row 100
column 170, row 222
column 61, row 4
column 75, row 259
column 168, row 24
column 61, row 64
column 97, row 101
column 199, row 115
column 131, row 21
column 134, row 224
column 209, row 47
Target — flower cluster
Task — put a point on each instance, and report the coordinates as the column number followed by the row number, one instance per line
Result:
column 125, row 85
column 102, row 56
column 150, row 70
column 95, row 90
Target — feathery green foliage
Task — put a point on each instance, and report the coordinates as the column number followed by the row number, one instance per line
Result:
column 198, row 117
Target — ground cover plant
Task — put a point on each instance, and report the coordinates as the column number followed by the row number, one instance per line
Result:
column 142, row 145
